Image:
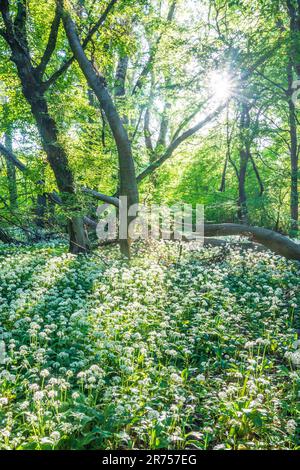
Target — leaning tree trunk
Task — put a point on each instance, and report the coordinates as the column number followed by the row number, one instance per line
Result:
column 128, row 183
column 274, row 241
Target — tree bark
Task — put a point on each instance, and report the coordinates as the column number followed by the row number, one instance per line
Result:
column 293, row 64
column 244, row 159
column 294, row 159
column 121, row 76
column 11, row 174
column 78, row 236
column 41, row 208
column 120, row 87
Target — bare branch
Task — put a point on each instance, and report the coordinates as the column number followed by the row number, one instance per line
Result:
column 101, row 197
column 10, row 156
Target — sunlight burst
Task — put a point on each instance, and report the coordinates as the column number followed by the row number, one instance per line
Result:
column 221, row 85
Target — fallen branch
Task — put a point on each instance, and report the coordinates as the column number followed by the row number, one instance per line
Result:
column 261, row 239
column 274, row 241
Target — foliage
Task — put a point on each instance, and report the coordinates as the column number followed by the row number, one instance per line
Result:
column 185, row 58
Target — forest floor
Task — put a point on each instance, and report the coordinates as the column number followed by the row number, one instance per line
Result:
column 177, row 350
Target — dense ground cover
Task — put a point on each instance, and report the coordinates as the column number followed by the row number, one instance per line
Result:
column 197, row 350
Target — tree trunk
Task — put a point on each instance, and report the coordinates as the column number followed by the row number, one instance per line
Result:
column 223, row 179
column 11, row 174
column 128, row 183
column 34, row 93
column 79, row 242
column 293, row 64
column 120, row 87
column 58, row 161
column 242, row 201
column 294, row 198
column 120, row 79
column 274, row 241
column 244, row 159
column 41, row 208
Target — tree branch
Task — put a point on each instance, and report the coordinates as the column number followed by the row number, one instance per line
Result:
column 51, row 44
column 175, row 143
column 185, row 135
column 98, row 23
column 64, row 67
column 10, row 156
column 259, row 180
column 101, row 197
column 54, row 197
column 147, row 67
column 188, row 119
